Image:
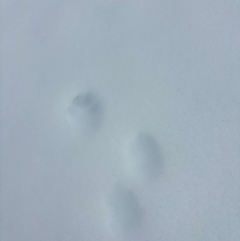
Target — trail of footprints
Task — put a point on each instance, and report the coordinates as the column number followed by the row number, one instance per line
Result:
column 141, row 164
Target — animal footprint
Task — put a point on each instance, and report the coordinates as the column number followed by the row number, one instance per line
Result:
column 142, row 160
column 124, row 214
column 84, row 113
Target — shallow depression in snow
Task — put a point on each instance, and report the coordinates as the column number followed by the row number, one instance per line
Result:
column 142, row 160
column 84, row 113
column 124, row 213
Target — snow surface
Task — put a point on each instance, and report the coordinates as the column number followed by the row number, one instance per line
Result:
column 80, row 81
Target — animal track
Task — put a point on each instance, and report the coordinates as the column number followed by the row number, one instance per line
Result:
column 142, row 158
column 124, row 212
column 142, row 164
column 84, row 113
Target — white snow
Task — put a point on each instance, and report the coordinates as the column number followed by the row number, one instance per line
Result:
column 168, row 69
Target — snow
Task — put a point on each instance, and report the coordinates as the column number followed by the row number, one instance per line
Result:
column 169, row 70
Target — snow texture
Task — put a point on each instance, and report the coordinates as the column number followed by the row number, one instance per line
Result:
column 120, row 120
